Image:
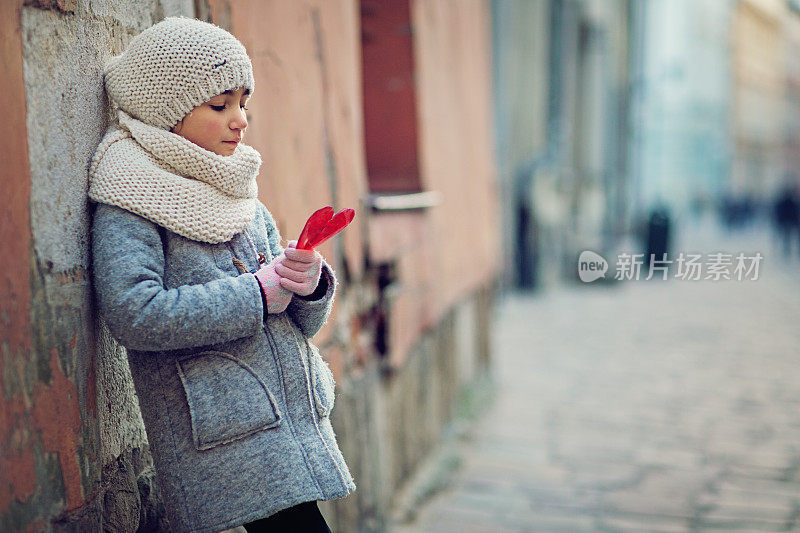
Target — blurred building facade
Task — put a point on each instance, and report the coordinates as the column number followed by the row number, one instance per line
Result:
column 760, row 86
column 410, row 329
column 680, row 132
column 766, row 114
column 561, row 123
column 791, row 116
column 607, row 111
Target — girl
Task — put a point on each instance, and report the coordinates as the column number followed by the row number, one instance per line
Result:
column 216, row 316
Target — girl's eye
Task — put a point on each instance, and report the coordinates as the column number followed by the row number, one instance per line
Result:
column 218, row 107
column 243, row 107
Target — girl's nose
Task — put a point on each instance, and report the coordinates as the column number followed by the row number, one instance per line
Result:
column 240, row 121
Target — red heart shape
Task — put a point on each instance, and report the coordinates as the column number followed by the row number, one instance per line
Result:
column 318, row 229
column 336, row 224
column 315, row 223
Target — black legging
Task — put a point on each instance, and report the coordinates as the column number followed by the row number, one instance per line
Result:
column 301, row 518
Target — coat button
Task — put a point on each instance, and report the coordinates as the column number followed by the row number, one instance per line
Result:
column 261, row 258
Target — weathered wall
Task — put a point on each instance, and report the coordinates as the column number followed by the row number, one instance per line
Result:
column 453, row 52
column 17, row 460
column 306, row 119
column 441, row 255
column 69, row 414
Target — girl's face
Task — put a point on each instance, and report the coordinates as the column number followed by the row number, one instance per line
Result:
column 217, row 125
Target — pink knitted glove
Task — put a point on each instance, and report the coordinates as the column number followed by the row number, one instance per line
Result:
column 276, row 296
column 299, row 270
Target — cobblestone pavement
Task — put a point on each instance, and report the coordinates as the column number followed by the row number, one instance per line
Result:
column 659, row 406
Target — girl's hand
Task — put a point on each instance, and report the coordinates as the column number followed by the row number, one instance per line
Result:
column 277, row 297
column 299, row 270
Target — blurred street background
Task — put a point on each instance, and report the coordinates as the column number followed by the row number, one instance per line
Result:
column 637, row 116
column 569, row 300
column 658, row 406
column 662, row 405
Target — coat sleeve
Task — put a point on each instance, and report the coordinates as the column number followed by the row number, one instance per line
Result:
column 128, row 266
column 309, row 315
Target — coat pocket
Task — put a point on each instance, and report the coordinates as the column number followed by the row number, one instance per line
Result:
column 322, row 383
column 227, row 400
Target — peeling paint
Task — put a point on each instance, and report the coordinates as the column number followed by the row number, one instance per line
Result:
column 56, row 415
column 17, row 460
column 72, row 275
column 37, row 526
column 17, row 464
column 67, row 6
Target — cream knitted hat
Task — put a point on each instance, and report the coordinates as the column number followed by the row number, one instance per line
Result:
column 174, row 66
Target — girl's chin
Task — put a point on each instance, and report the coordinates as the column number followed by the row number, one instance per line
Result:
column 227, row 149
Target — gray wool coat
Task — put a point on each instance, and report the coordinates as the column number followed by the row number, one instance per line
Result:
column 236, row 403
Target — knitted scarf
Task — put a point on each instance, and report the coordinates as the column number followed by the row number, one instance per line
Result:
column 173, row 182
